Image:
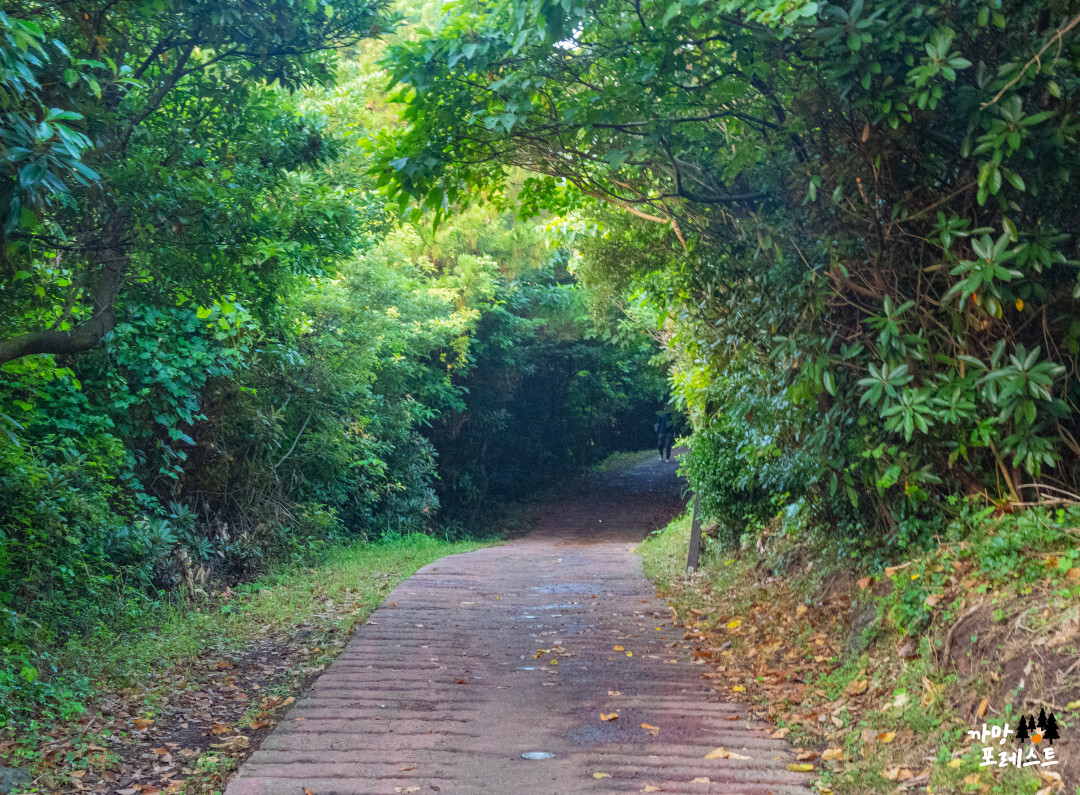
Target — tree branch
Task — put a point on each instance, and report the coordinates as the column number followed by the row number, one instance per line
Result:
column 83, row 336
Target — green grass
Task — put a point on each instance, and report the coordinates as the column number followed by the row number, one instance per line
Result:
column 358, row 575
column 353, row 578
column 621, row 460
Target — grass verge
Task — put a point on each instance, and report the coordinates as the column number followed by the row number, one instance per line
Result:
column 176, row 703
column 876, row 677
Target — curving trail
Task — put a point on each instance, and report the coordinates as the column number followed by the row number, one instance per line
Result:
column 442, row 689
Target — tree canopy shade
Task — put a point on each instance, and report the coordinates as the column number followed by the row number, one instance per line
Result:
column 870, row 255
column 141, row 140
column 219, row 348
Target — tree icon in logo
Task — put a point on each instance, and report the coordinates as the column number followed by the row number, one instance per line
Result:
column 1045, row 728
column 1051, row 732
column 1022, row 730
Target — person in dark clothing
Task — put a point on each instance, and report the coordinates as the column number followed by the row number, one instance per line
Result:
column 665, row 434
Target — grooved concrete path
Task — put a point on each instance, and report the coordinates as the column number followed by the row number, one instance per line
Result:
column 442, row 689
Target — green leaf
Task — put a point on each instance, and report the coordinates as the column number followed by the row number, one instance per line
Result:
column 672, row 12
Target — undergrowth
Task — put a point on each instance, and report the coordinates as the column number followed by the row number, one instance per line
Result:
column 115, row 656
column 876, row 674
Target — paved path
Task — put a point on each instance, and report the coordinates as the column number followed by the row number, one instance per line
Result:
column 449, row 682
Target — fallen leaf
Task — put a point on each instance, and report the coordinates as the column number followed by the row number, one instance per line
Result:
column 724, row 753
column 738, row 689
column 466, row 681
column 856, row 687
column 142, row 723
column 218, row 728
column 832, row 754
column 932, row 599
column 609, row 716
column 629, row 654
column 614, row 692
column 307, row 791
column 601, row 775
column 780, row 734
column 649, row 727
column 735, row 623
column 1050, row 776
column 407, row 768
column 897, row 773
column 983, row 706
column 1073, row 705
column 701, row 780
column 886, row 737
column 800, row 611
column 617, row 648
column 233, row 743
column 863, row 583
column 800, row 767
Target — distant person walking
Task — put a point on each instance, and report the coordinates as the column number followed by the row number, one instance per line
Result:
column 665, row 434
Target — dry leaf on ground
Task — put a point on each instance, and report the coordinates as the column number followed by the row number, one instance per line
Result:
column 724, row 753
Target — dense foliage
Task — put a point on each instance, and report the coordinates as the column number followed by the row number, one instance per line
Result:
column 218, row 346
column 856, row 217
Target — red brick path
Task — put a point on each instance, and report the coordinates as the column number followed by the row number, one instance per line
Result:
column 442, row 691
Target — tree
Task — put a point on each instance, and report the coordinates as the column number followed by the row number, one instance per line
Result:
column 873, row 200
column 167, row 91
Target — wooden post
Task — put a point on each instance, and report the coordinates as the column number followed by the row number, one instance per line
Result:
column 695, row 539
